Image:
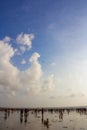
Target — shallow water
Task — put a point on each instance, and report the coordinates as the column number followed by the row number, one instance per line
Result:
column 48, row 119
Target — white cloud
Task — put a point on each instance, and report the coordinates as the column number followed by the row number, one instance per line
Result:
column 7, row 39
column 23, row 49
column 53, row 64
column 79, row 94
column 13, row 80
column 34, row 57
column 8, row 72
column 23, row 62
column 25, row 40
column 48, row 83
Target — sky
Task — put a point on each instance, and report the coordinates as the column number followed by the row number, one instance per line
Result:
column 43, row 53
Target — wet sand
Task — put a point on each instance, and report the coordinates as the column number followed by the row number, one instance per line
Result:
column 43, row 118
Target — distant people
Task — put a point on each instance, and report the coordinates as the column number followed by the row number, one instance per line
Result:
column 21, row 112
column 46, row 123
column 21, row 115
column 6, row 115
column 42, row 112
column 61, row 114
column 25, row 115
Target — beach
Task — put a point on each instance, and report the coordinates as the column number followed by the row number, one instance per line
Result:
column 42, row 119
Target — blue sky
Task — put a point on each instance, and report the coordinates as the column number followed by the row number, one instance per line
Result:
column 45, row 40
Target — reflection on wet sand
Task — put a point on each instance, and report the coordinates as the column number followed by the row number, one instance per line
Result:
column 7, row 114
column 24, row 115
column 46, row 115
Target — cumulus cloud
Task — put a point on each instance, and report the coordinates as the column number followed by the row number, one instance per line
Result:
column 31, row 77
column 12, row 80
column 8, row 72
column 48, row 83
column 23, row 62
column 23, row 49
column 7, row 39
column 25, row 40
